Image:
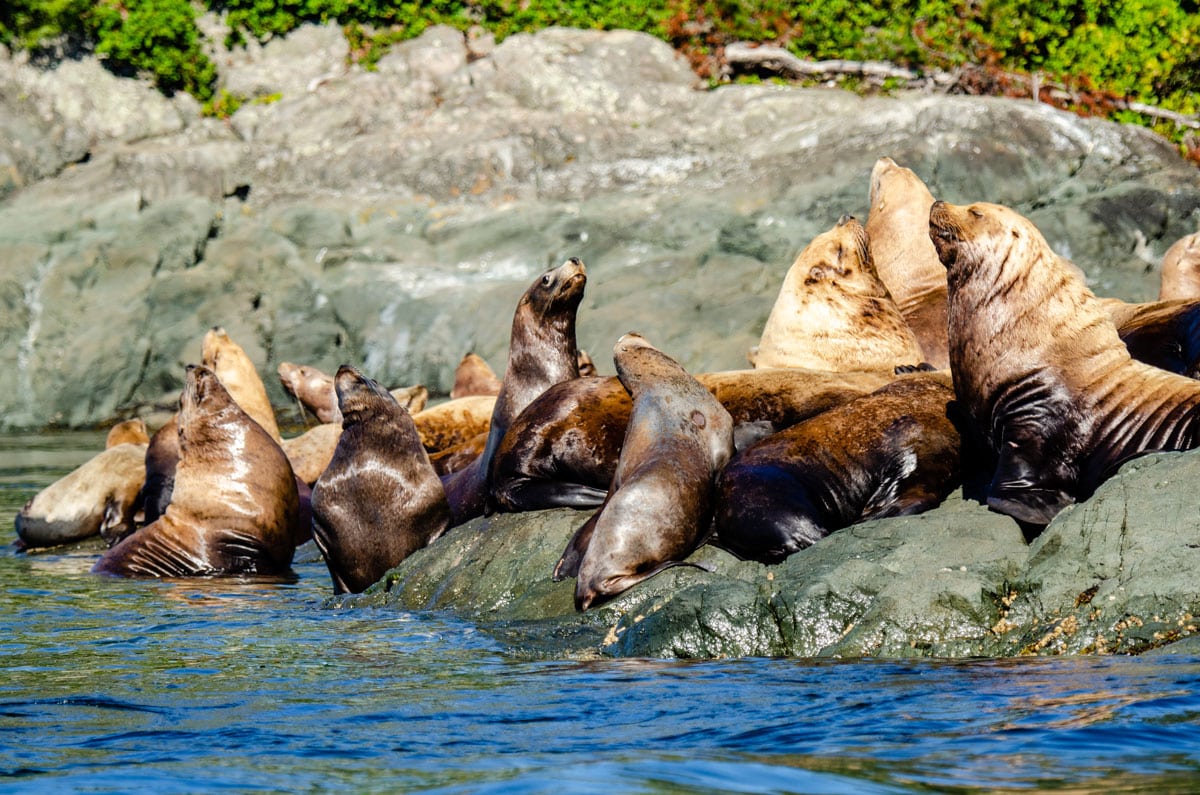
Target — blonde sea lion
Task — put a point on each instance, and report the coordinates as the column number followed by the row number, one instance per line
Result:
column 128, row 432
column 379, row 499
column 313, row 389
column 890, row 453
column 1180, row 273
column 454, row 422
column 833, row 313
column 310, row 452
column 474, row 376
column 905, row 259
column 541, row 352
column 659, row 507
column 234, row 503
column 99, row 497
column 1040, row 371
column 229, row 361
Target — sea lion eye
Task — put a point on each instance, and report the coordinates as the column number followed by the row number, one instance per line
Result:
column 546, row 280
column 974, row 213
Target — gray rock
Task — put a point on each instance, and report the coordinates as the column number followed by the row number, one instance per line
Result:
column 957, row 581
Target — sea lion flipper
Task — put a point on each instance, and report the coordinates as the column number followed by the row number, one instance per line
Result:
column 527, row 494
column 1022, row 491
column 572, row 556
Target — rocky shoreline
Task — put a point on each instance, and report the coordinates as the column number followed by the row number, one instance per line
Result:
column 390, row 219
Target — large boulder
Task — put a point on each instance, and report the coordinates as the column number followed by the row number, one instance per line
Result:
column 1109, row 575
column 391, row 219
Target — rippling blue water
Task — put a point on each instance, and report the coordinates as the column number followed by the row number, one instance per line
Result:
column 111, row 685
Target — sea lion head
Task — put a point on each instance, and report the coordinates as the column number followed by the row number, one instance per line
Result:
column 238, row 374
column 557, row 290
column 841, row 258
column 205, row 405
column 359, row 396
column 1181, row 270
column 967, row 236
column 893, row 182
column 128, row 432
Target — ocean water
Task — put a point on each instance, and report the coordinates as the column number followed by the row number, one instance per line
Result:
column 235, row 685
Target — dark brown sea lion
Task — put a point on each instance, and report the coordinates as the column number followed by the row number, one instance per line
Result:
column 234, row 503
column 833, row 313
column 379, row 499
column 162, row 456
column 474, row 376
column 1040, row 371
column 1180, row 276
column 1165, row 334
column 100, row 497
column 128, row 432
column 314, row 390
column 542, row 352
column 659, row 508
column 905, row 259
column 890, row 453
column 562, row 450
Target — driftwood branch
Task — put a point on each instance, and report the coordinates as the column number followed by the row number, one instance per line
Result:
column 777, row 59
column 745, row 56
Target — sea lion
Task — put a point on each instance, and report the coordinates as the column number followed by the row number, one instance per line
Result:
column 314, row 390
column 905, row 259
column 659, row 508
column 833, row 313
column 1180, row 274
column 587, row 367
column 379, row 499
column 234, row 502
column 562, row 450
column 229, row 361
column 452, row 459
column 454, row 422
column 890, row 453
column 474, row 376
column 310, row 452
column 128, row 432
column 239, row 377
column 1040, row 371
column 1165, row 334
column 542, row 352
column 100, row 496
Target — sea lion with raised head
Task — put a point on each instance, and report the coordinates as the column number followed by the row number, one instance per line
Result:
column 833, row 313
column 128, row 432
column 474, row 376
column 659, row 507
column 890, row 453
column 313, row 389
column 379, row 499
column 542, row 352
column 904, row 257
column 234, row 503
column 1040, row 371
column 1179, row 278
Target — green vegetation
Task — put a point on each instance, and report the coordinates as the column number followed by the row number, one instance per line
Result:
column 1091, row 57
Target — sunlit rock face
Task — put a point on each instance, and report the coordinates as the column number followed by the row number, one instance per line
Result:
column 392, row 218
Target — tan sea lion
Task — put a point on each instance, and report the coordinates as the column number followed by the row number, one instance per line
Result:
column 562, row 450
column 541, row 352
column 1040, row 371
column 890, row 453
column 474, row 376
column 659, row 508
column 99, row 497
column 310, row 452
column 460, row 456
column 313, row 389
column 128, row 432
column 229, row 361
column 234, row 502
column 905, row 259
column 1180, row 274
column 454, row 422
column 833, row 313
column 379, row 499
